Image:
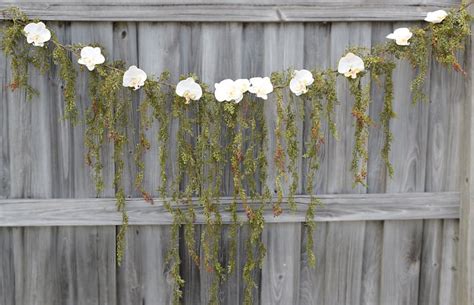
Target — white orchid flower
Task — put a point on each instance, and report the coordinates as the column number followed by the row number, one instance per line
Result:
column 300, row 81
column 261, row 86
column 90, row 57
column 436, row 16
column 229, row 90
column 37, row 33
column 401, row 36
column 134, row 77
column 243, row 85
column 189, row 89
column 350, row 65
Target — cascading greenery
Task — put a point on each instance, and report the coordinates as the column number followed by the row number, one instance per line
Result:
column 222, row 147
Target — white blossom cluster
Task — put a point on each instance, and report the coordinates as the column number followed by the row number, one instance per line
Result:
column 227, row 90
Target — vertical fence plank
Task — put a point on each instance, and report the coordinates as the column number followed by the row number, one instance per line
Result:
column 448, row 280
column 401, row 264
column 219, row 56
column 19, row 137
column 144, row 277
column 5, row 181
column 85, row 257
column 465, row 293
column 344, row 287
column 88, row 33
column 252, row 63
column 138, row 283
column 62, row 164
column 280, row 274
column 317, row 54
column 125, row 42
column 7, row 268
column 376, row 183
column 443, row 174
column 36, row 250
column 190, row 42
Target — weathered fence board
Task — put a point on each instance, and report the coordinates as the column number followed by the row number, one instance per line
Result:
column 465, row 288
column 143, row 264
column 394, row 248
column 74, row 262
column 225, row 10
column 102, row 211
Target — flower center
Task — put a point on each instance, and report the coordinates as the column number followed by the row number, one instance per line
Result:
column 352, row 72
column 89, row 61
column 36, row 37
column 260, row 91
column 234, row 92
column 188, row 95
column 301, row 86
column 135, row 81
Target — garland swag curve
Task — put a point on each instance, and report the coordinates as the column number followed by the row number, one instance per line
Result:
column 203, row 158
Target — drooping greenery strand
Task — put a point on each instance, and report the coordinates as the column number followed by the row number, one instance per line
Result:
column 95, row 134
column 382, row 67
column 360, row 154
column 229, row 115
column 280, row 154
column 294, row 112
column 323, row 90
column 62, row 58
column 200, row 128
column 255, row 248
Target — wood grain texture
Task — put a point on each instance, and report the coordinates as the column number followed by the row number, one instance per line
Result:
column 465, row 292
column 280, row 272
column 84, row 186
column 344, row 288
column 224, row 10
column 77, row 263
column 401, row 264
column 102, row 211
column 143, row 277
column 317, row 39
column 125, row 47
column 394, row 248
column 5, row 181
column 443, row 174
column 376, row 183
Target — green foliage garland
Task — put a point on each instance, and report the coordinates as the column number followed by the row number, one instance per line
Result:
column 227, row 142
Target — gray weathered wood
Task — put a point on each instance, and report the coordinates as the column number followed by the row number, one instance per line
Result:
column 443, row 174
column 143, row 277
column 376, row 183
column 42, row 156
column 449, row 270
column 240, row 11
column 317, row 37
column 77, row 264
column 84, row 186
column 280, row 273
column 102, row 211
column 401, row 264
column 344, row 288
column 465, row 293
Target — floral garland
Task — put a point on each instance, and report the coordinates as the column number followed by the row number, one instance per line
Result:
column 232, row 112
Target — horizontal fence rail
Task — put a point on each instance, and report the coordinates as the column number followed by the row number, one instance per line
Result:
column 348, row 207
column 224, row 10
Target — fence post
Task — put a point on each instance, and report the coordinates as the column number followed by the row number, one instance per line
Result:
column 466, row 226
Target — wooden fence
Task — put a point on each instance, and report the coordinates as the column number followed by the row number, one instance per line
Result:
column 397, row 241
